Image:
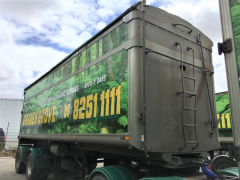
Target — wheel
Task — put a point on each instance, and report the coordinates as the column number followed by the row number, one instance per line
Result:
column 223, row 162
column 20, row 167
column 32, row 174
column 98, row 176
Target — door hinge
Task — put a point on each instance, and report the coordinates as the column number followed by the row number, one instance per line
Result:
column 225, row 47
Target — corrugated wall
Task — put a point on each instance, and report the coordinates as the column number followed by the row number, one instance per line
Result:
column 10, row 111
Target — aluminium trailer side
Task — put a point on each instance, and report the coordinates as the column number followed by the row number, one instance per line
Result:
column 140, row 90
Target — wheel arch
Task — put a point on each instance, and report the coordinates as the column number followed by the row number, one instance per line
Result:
column 116, row 173
column 220, row 156
column 24, row 150
column 223, row 159
column 41, row 158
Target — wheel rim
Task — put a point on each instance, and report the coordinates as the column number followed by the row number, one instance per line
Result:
column 29, row 166
column 223, row 166
column 17, row 160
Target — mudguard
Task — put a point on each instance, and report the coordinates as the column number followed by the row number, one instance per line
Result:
column 24, row 153
column 163, row 178
column 116, row 173
column 41, row 158
column 233, row 171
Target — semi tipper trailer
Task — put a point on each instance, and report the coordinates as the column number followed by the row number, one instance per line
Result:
column 139, row 95
column 222, row 159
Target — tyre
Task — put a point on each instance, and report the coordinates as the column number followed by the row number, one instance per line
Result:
column 20, row 167
column 98, row 176
column 44, row 174
column 223, row 162
column 62, row 174
column 58, row 172
column 32, row 174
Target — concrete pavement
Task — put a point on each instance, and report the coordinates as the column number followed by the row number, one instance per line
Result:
column 11, row 144
column 7, row 170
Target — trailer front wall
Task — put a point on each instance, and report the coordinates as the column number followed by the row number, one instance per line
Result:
column 164, row 130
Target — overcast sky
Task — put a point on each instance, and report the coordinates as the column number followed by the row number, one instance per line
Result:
column 37, row 34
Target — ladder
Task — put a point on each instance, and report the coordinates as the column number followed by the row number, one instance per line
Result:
column 184, row 126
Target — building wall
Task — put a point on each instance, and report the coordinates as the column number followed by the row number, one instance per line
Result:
column 10, row 111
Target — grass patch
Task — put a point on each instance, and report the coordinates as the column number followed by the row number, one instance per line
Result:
column 1, row 146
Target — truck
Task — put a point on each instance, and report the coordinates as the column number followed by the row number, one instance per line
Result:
column 138, row 97
column 230, row 18
column 222, row 159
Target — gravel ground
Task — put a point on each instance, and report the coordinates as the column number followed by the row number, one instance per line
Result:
column 8, row 153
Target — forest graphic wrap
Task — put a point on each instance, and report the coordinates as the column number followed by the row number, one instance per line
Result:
column 93, row 101
column 223, row 111
column 235, row 13
column 80, row 59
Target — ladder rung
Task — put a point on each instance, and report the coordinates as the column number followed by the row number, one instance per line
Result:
column 191, row 94
column 189, row 78
column 179, row 92
column 189, row 125
column 189, row 64
column 189, row 109
column 192, row 142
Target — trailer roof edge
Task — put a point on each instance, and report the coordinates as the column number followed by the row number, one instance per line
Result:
column 84, row 44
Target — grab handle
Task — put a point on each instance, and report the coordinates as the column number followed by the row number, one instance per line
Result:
column 180, row 24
